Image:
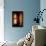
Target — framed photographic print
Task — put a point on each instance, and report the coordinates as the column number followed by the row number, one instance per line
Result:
column 17, row 18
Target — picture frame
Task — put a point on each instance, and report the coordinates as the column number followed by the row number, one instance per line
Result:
column 17, row 18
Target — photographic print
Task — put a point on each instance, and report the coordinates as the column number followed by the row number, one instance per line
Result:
column 17, row 18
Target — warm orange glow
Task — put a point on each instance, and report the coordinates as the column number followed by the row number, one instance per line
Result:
column 15, row 19
column 20, row 19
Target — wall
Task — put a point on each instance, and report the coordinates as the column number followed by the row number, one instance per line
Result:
column 29, row 7
column 43, row 6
